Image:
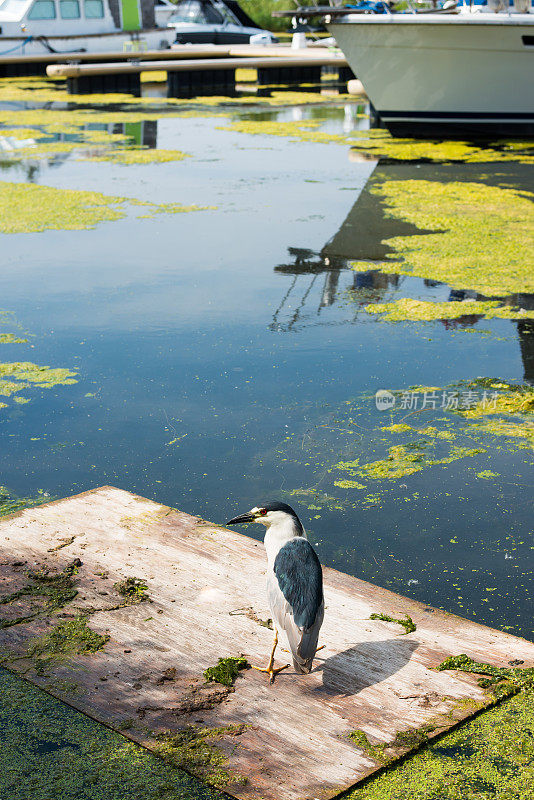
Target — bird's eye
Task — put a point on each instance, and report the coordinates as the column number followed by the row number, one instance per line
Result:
column 263, row 512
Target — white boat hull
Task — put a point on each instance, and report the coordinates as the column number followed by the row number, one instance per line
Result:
column 156, row 39
column 444, row 75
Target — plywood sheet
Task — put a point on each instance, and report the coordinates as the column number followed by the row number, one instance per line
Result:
column 287, row 741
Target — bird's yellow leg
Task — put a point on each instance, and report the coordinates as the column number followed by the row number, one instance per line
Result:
column 269, row 669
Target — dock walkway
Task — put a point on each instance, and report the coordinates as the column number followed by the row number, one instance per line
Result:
column 288, row 741
column 189, row 77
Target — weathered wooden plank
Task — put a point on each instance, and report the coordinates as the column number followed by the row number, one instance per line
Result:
column 206, row 589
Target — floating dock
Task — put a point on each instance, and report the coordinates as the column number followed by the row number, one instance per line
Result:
column 25, row 65
column 286, row 741
column 196, row 76
column 22, row 65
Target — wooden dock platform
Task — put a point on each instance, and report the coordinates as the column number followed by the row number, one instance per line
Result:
column 60, row 565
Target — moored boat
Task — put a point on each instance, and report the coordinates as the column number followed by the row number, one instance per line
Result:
column 444, row 74
column 450, row 72
column 34, row 27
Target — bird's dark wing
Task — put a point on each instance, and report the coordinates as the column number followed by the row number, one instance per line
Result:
column 300, row 579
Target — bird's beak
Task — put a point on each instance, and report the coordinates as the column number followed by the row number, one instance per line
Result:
column 248, row 517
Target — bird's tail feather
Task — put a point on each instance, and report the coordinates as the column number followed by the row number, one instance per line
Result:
column 303, row 644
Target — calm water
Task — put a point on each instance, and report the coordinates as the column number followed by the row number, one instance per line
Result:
column 224, row 357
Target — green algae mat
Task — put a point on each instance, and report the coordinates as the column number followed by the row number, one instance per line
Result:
column 51, row 750
column 31, row 208
column 483, row 240
column 379, row 144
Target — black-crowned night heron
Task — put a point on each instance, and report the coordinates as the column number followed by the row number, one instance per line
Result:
column 294, row 583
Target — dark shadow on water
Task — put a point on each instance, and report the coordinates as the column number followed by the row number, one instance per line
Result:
column 364, row 664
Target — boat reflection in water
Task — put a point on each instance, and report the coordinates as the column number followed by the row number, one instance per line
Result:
column 327, row 280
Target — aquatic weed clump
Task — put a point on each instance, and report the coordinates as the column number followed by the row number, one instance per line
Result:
column 50, row 750
column 469, row 223
column 501, row 681
column 194, row 750
column 31, row 208
column 383, row 145
column 404, row 460
column 408, row 310
column 518, row 400
column 56, row 588
column 137, row 155
column 70, row 637
column 226, row 670
column 10, row 504
column 379, row 144
column 407, row 623
column 133, row 590
column 19, row 375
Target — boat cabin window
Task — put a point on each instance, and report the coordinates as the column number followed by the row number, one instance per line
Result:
column 193, row 11
column 93, row 9
column 226, row 14
column 69, row 9
column 43, row 9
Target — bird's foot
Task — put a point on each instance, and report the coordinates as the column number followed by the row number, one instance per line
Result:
column 271, row 671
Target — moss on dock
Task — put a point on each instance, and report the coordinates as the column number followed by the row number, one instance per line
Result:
column 501, row 681
column 195, row 750
column 133, row 590
column 407, row 623
column 70, row 637
column 226, row 670
column 387, row 752
column 54, row 589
